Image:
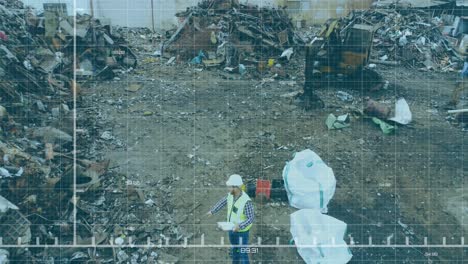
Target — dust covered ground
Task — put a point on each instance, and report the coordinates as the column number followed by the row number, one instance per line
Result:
column 193, row 128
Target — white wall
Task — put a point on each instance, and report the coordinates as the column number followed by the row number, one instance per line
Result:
column 81, row 5
column 137, row 13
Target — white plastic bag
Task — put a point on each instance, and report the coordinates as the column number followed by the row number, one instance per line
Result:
column 402, row 112
column 309, row 182
column 319, row 237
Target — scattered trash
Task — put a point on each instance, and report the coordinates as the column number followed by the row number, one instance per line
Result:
column 402, row 112
column 170, row 61
column 339, row 122
column 406, row 229
column 286, row 54
column 457, row 111
column 119, row 241
column 106, row 135
column 290, row 95
column 150, row 202
column 4, row 173
column 385, row 127
column 79, row 256
column 199, row 58
column 344, row 96
column 242, row 69
column 376, row 109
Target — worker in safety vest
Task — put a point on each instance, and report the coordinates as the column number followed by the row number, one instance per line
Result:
column 240, row 212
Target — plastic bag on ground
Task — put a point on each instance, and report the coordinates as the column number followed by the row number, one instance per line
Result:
column 402, row 112
column 319, row 237
column 309, row 182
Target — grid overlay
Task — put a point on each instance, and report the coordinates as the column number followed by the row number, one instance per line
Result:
column 366, row 240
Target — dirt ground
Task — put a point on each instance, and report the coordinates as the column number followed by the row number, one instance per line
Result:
column 195, row 128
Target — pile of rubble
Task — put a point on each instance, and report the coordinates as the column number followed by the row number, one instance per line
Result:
column 227, row 33
column 37, row 136
column 38, row 51
column 410, row 36
column 36, row 142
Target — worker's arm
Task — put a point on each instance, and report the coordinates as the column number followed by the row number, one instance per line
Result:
column 218, row 206
column 249, row 212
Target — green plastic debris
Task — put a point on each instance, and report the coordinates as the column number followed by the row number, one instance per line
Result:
column 339, row 122
column 385, row 127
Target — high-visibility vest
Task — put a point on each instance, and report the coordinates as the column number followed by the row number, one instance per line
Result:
column 235, row 211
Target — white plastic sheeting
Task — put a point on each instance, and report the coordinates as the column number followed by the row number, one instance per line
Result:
column 309, row 182
column 310, row 185
column 319, row 237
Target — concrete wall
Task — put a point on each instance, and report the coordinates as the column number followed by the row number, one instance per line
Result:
column 137, row 13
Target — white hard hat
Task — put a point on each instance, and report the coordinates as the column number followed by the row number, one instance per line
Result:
column 234, row 180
